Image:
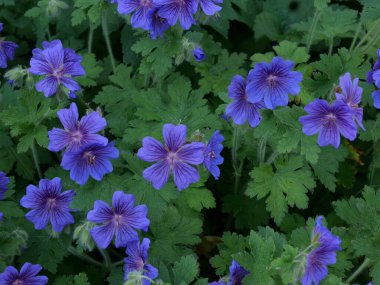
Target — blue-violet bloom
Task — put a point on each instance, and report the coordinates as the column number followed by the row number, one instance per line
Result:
column 212, row 154
column 351, row 94
column 76, row 133
column 324, row 254
column 59, row 65
column 273, row 82
column 26, row 276
column 92, row 159
column 48, row 204
column 140, row 10
column 4, row 181
column 199, row 55
column 137, row 260
column 209, row 7
column 176, row 157
column 7, row 50
column 157, row 25
column 373, row 76
column 237, row 273
column 329, row 122
column 174, row 10
column 120, row 220
column 241, row 109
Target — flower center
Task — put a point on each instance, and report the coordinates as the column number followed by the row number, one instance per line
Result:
column 117, row 219
column 181, row 2
column 140, row 264
column 330, row 117
column 17, row 282
column 212, row 155
column 58, row 72
column 146, row 3
column 50, row 203
column 89, row 157
column 272, row 80
column 77, row 136
column 172, row 157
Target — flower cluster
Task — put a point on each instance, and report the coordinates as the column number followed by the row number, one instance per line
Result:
column 4, row 181
column 324, row 254
column 86, row 152
column 237, row 273
column 373, row 77
column 157, row 16
column 177, row 156
column 7, row 50
column 340, row 118
column 27, row 275
column 59, row 65
column 267, row 86
column 48, row 204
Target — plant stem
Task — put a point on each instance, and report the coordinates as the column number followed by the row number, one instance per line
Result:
column 107, row 40
column 90, row 39
column 35, row 158
column 367, row 34
column 84, row 256
column 312, row 31
column 371, row 42
column 366, row 263
column 106, row 257
column 331, row 46
column 117, row 263
column 355, row 36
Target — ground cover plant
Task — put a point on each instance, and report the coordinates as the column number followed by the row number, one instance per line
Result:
column 189, row 142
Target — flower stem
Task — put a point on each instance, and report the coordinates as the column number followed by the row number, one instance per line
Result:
column 355, row 36
column 117, row 263
column 90, row 39
column 35, row 158
column 84, row 256
column 366, row 263
column 106, row 257
column 237, row 167
column 312, row 31
column 331, row 46
column 367, row 34
column 107, row 40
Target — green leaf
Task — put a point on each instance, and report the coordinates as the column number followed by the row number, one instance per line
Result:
column 92, row 68
column 291, row 51
column 81, row 279
column 199, row 198
column 185, row 270
column 286, row 185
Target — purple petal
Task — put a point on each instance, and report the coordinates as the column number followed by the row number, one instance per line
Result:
column 69, row 117
column 125, row 234
column 152, row 150
column 184, row 175
column 48, row 86
column 93, row 123
column 158, row 174
column 58, row 139
column 174, row 136
column 102, row 212
column 192, row 153
column 103, row 235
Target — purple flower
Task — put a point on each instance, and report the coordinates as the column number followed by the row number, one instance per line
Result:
column 209, row 7
column 241, row 109
column 351, row 94
column 199, row 55
column 89, row 160
column 26, row 276
column 76, row 133
column 329, row 122
column 140, row 8
column 157, row 25
column 174, row 10
column 7, row 50
column 237, row 273
column 4, row 181
column 121, row 220
column 137, row 260
column 48, row 204
column 212, row 154
column 325, row 254
column 174, row 157
column 59, row 65
column 373, row 76
column 273, row 82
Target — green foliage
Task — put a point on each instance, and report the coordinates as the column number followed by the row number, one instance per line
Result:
column 185, row 270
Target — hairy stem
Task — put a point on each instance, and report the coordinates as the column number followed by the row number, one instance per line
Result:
column 106, row 257
column 358, row 29
column 373, row 28
column 90, row 39
column 312, row 31
column 108, row 41
column 366, row 263
column 84, row 256
column 331, row 46
column 35, row 158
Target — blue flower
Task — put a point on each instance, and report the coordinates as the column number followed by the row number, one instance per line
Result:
column 351, row 94
column 59, row 65
column 48, row 204
column 241, row 109
column 26, row 276
column 212, row 154
column 373, row 76
column 209, row 7
column 137, row 260
column 4, row 181
column 329, row 122
column 156, row 24
column 273, row 82
column 176, row 157
column 199, row 55
column 76, row 133
column 89, row 160
column 121, row 220
column 237, row 273
column 7, row 50
column 325, row 254
column 174, row 10
column 140, row 10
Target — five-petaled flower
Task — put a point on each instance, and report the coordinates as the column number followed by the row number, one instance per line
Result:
column 373, row 77
column 137, row 260
column 241, row 109
column 59, row 65
column 212, row 154
column 26, row 276
column 121, row 220
column 140, row 10
column 4, row 181
column 324, row 254
column 76, row 133
column 329, row 122
column 48, row 204
column 273, row 82
column 7, row 50
column 174, row 10
column 176, row 157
